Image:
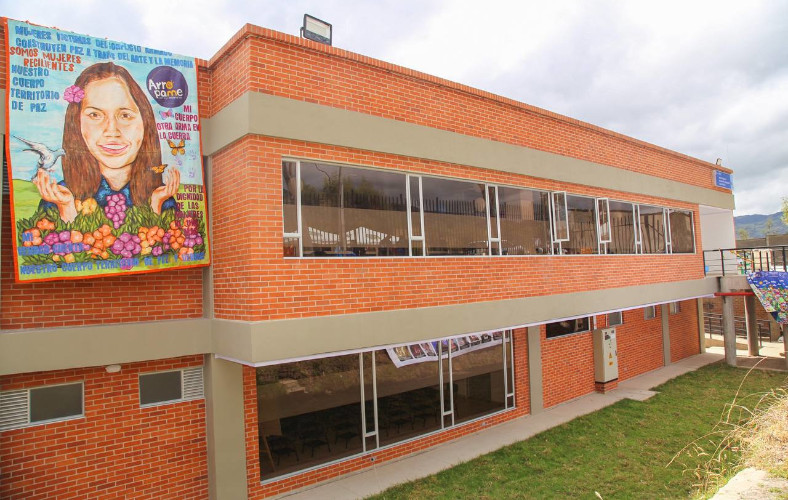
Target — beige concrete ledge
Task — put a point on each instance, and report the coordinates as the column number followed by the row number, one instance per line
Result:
column 267, row 341
column 274, row 116
column 24, row 351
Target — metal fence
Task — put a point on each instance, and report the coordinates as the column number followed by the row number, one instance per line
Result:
column 713, row 325
column 727, row 261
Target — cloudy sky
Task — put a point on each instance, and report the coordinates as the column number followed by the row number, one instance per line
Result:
column 705, row 78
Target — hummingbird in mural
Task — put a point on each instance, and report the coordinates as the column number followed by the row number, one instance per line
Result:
column 46, row 157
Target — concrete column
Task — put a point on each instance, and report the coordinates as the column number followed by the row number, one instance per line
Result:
column 701, row 326
column 728, row 331
column 785, row 343
column 664, row 311
column 752, row 325
column 535, row 369
column 225, row 431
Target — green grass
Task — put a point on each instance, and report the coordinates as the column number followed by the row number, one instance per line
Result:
column 621, row 451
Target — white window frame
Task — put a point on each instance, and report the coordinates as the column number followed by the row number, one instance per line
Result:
column 675, row 307
column 492, row 205
column 554, row 217
column 409, row 198
column 299, row 230
column 646, row 310
column 606, row 203
column 188, row 391
column 15, row 408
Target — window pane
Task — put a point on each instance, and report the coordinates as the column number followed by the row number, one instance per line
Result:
column 652, row 229
column 559, row 216
column 493, row 211
column 349, row 211
column 160, row 387
column 478, row 380
column 568, row 326
column 59, row 401
column 374, row 212
column 604, row 220
column 409, row 395
column 455, row 217
column 614, row 319
column 320, row 214
column 415, row 206
column 309, row 413
column 582, row 226
column 289, row 193
column 622, row 222
column 525, row 221
column 681, row 231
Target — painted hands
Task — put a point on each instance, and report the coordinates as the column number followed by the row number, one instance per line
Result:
column 53, row 192
column 168, row 190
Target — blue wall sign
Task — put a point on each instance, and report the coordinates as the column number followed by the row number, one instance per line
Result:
column 723, row 179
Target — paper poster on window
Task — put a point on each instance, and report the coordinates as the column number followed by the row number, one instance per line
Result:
column 104, row 162
column 409, row 354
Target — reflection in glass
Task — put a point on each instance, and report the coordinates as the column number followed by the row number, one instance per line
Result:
column 568, row 326
column 582, row 226
column 681, row 231
column 652, row 229
column 622, row 225
column 478, row 383
column 455, row 217
column 560, row 223
column 349, row 211
column 408, row 398
column 309, row 413
column 525, row 221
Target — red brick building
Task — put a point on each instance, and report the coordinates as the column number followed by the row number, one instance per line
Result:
column 397, row 261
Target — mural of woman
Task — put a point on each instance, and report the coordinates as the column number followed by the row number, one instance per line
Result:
column 112, row 146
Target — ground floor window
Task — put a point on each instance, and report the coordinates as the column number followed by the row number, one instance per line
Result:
column 321, row 410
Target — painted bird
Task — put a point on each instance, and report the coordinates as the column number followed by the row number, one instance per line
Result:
column 46, row 157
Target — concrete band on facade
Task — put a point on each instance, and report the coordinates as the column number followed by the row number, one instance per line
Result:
column 255, row 343
column 273, row 116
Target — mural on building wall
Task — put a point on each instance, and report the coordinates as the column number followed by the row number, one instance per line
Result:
column 771, row 288
column 104, row 157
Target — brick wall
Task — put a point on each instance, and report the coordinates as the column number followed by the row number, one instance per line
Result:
column 567, row 367
column 273, row 487
column 684, row 334
column 253, row 282
column 118, row 450
column 287, row 66
column 639, row 342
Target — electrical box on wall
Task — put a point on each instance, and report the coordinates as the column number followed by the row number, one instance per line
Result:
column 605, row 355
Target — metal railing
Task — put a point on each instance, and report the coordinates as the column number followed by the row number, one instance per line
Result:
column 713, row 325
column 728, row 261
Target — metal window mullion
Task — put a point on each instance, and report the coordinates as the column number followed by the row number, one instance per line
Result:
column 298, row 210
column 451, row 384
column 511, row 368
column 363, row 402
column 410, row 214
column 421, row 220
column 638, row 235
column 505, row 373
column 668, row 236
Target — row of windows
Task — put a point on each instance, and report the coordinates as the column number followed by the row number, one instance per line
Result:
column 579, row 325
column 40, row 405
column 319, row 410
column 332, row 210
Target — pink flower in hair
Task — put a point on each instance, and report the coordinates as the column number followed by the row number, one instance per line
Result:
column 73, row 94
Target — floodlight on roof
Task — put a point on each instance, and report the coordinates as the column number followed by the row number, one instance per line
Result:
column 316, row 30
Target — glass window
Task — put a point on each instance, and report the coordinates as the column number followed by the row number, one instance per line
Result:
column 525, row 221
column 55, row 402
column 652, row 229
column 681, row 233
column 650, row 312
column 478, row 379
column 409, row 395
column 603, row 215
column 582, row 226
column 568, row 326
column 622, row 225
column 675, row 307
column 160, row 387
column 455, row 217
column 350, row 211
column 290, row 208
column 309, row 413
column 615, row 319
column 560, row 223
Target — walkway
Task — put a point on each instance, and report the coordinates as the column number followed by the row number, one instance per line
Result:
column 381, row 477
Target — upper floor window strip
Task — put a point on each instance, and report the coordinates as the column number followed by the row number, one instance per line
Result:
column 334, row 210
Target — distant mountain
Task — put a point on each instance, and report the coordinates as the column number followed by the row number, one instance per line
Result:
column 755, row 225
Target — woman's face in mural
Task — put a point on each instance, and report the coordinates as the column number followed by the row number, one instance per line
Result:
column 111, row 123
